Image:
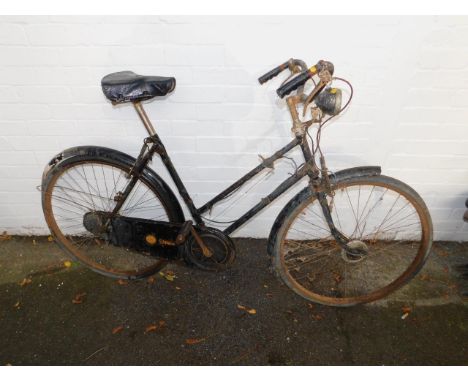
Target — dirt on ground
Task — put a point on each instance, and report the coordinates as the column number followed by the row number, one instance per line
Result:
column 56, row 312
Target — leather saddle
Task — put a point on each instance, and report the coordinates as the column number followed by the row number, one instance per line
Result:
column 130, row 87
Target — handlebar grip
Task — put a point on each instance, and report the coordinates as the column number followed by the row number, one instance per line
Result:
column 295, row 83
column 273, row 73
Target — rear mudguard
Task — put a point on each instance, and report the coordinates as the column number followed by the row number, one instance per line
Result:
column 354, row 172
column 95, row 152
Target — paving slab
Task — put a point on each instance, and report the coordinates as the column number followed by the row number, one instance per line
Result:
column 56, row 315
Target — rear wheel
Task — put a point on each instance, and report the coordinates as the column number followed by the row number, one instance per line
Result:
column 78, row 198
column 384, row 220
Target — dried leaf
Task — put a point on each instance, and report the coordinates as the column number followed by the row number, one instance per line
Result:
column 50, row 239
column 441, row 251
column 424, row 277
column 67, row 264
column 17, row 305
column 79, row 298
column 193, row 341
column 169, row 275
column 117, row 329
column 122, row 282
column 151, row 328
column 151, row 280
column 317, row 317
column 406, row 309
column 25, row 281
column 338, row 278
column 5, row 236
column 248, row 310
column 162, row 324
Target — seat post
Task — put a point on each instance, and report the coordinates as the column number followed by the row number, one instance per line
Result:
column 144, row 118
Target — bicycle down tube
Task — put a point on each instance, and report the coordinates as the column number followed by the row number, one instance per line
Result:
column 266, row 163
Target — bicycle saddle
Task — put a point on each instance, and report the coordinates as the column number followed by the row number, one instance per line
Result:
column 128, row 86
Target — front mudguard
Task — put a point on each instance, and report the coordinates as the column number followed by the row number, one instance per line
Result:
column 349, row 173
column 73, row 154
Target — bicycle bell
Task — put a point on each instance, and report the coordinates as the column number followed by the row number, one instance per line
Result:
column 329, row 101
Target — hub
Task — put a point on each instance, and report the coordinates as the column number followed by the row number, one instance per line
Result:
column 96, row 222
column 356, row 245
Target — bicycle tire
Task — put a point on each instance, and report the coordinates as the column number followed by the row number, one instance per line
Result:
column 172, row 214
column 335, row 296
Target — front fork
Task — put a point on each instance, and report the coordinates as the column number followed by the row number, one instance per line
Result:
column 340, row 238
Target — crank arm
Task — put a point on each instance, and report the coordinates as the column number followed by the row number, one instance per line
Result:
column 183, row 233
column 205, row 250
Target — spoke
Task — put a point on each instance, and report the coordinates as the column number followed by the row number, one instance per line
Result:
column 64, row 209
column 304, row 247
column 81, row 192
column 138, row 202
column 97, row 184
column 367, row 201
column 305, row 233
column 385, row 218
column 127, row 204
column 114, row 190
column 319, row 215
column 402, row 219
column 70, row 203
column 351, row 205
column 314, row 225
column 313, row 258
column 373, row 207
column 72, row 189
column 89, row 188
column 338, row 217
column 75, row 181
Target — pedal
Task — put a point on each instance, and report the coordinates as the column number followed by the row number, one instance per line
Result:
column 183, row 233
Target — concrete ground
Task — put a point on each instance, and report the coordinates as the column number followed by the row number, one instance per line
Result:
column 56, row 315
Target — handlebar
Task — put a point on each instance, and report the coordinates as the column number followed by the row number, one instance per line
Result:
column 291, row 64
column 273, row 73
column 305, row 75
column 295, row 83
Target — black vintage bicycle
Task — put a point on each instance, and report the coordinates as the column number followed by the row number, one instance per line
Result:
column 349, row 237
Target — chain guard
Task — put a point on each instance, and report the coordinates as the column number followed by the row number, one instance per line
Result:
column 221, row 246
column 155, row 238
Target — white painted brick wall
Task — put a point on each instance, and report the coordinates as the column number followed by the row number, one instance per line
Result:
column 409, row 114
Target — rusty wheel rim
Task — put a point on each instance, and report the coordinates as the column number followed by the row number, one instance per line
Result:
column 337, row 299
column 72, row 246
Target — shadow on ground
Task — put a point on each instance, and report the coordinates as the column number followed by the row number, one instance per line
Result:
column 195, row 319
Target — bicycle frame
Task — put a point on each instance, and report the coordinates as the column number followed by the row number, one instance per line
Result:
column 158, row 147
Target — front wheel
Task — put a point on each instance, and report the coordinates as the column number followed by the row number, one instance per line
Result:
column 383, row 218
